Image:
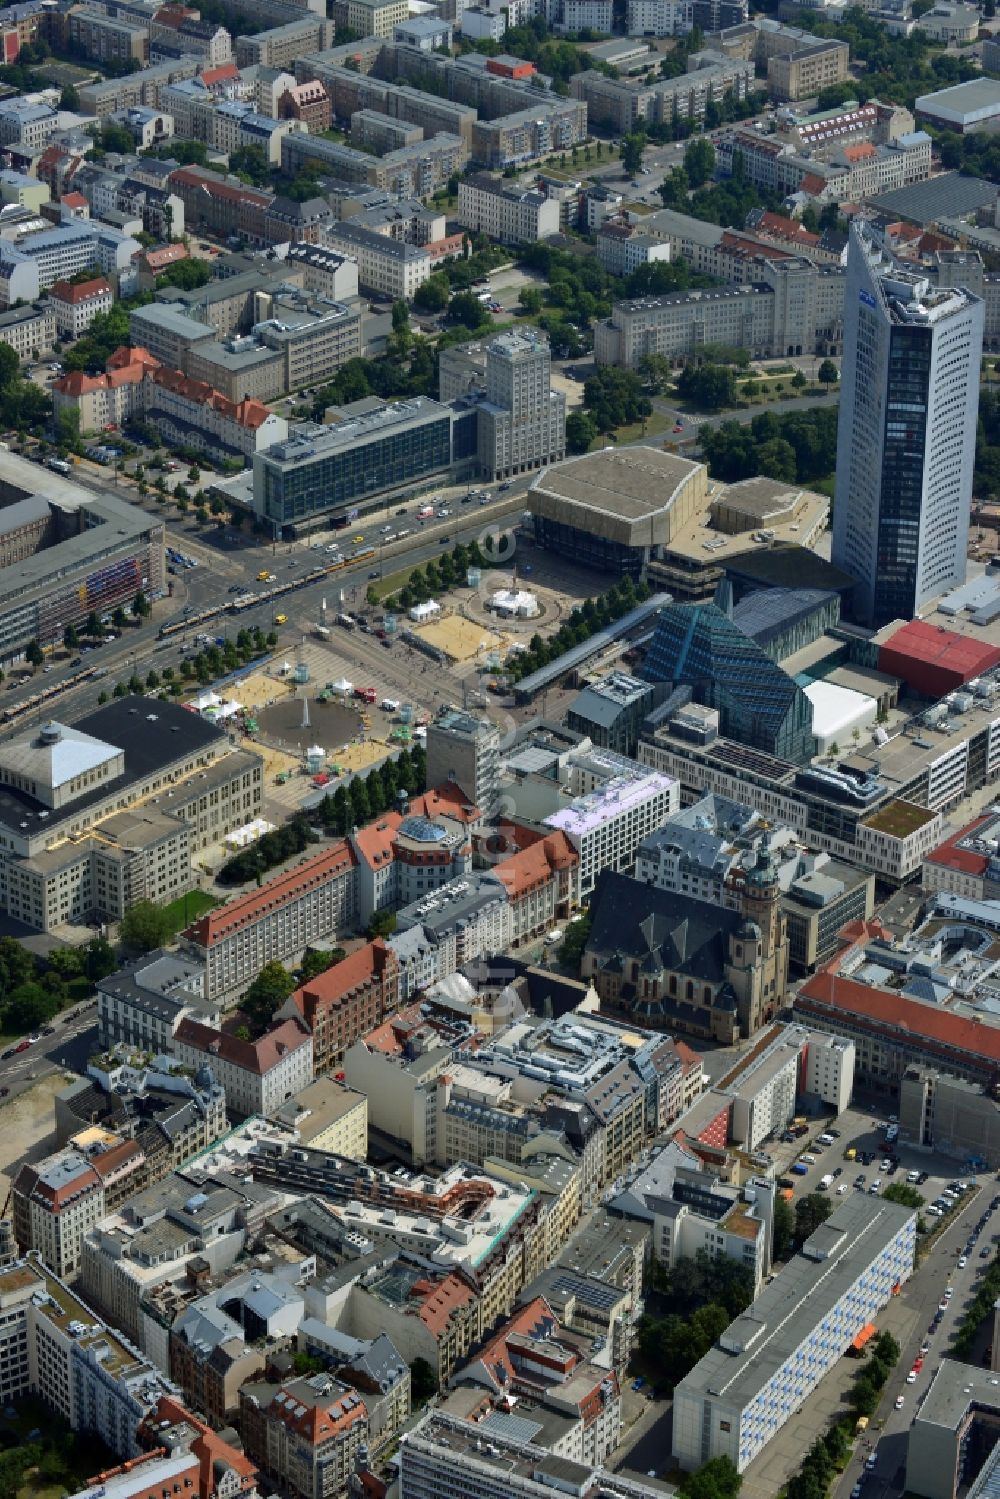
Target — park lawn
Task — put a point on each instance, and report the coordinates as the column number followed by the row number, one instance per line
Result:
column 391, row 583
column 655, row 424
column 185, row 909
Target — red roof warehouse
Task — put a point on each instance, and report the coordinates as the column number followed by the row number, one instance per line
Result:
column 932, row 660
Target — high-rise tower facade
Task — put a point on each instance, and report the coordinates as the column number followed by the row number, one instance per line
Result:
column 907, row 433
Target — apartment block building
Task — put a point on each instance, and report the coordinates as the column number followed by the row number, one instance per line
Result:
column 30, row 331
column 522, row 422
column 281, row 46
column 258, row 1075
column 56, row 1346
column 620, row 104
column 509, row 214
column 391, row 267
column 108, row 95
column 38, row 259
column 735, row 1400
column 345, row 1002
column 314, row 900
column 108, row 39
column 514, row 140
column 142, row 1003
column 306, row 1433
column 77, row 304
column 371, row 17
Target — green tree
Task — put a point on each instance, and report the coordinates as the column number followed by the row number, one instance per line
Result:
column 810, row 1212
column 423, row 1383
column 530, row 300
column 251, row 164
column 716, row 1479
column 382, row 924
column 632, row 149
column 70, row 638
column 710, row 386
column 34, row 654
column 267, row 993
column 140, row 605
column 467, row 309
column 432, row 295
column 906, row 1195
column 575, row 936
column 784, row 1228
column 699, row 161
column 581, row 429
column 144, row 927
column 69, row 99
column 316, row 962
column 827, row 373
column 98, row 959
column 776, row 459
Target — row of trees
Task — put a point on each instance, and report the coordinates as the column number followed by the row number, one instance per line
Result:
column 436, row 577
column 33, row 990
column 370, row 795
column 871, row 1378
column 583, row 621
column 273, row 848
column 795, row 446
column 212, row 662
column 980, row 1307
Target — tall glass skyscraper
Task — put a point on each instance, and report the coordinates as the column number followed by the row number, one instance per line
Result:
column 907, row 433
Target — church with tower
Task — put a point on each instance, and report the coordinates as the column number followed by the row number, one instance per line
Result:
column 670, row 962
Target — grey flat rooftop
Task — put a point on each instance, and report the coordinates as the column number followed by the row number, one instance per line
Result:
column 975, row 94
column 796, row 1301
column 630, row 484
column 954, row 1388
column 948, row 196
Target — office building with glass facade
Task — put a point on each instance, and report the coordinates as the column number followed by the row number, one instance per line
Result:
column 907, row 434
column 759, row 705
column 372, row 451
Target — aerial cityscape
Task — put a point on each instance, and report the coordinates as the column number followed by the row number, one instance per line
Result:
column 499, row 749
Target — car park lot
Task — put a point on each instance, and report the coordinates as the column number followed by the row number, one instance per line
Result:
column 864, row 1131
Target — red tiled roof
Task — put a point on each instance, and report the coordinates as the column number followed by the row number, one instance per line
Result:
column 257, row 1057
column 777, row 223
column 812, row 184
column 80, row 291
column 448, row 800
column 236, row 915
column 859, row 152
column 374, row 842
column 965, row 860
column 388, row 1037
column 531, row 867
column 208, row 1447
column 439, row 1298
column 222, row 74
column 131, row 354
column 74, row 200
column 350, row 974
column 192, row 177
column 942, row 1031
column 164, row 256
column 322, row 1420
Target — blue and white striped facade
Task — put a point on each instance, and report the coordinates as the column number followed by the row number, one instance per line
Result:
column 770, row 1359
